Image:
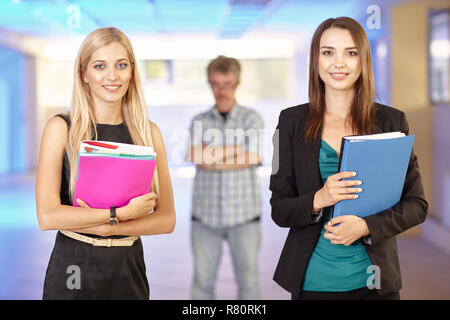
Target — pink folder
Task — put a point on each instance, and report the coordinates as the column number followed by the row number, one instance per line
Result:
column 103, row 182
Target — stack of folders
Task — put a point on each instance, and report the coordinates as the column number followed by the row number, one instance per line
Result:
column 380, row 162
column 111, row 174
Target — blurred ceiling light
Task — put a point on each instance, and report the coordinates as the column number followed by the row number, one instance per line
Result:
column 61, row 50
column 440, row 49
column 184, row 48
column 210, row 48
column 382, row 50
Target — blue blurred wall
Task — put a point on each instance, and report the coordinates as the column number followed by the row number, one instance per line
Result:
column 13, row 131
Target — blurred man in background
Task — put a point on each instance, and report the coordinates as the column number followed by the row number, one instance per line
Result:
column 226, row 148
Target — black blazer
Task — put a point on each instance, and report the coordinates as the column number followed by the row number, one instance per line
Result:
column 297, row 178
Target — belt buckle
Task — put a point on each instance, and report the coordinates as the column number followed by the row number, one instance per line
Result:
column 101, row 242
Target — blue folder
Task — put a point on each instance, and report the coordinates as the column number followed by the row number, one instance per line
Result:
column 381, row 165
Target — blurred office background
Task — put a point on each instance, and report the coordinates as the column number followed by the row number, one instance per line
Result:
column 174, row 41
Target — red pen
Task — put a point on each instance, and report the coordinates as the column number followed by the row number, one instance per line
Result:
column 101, row 144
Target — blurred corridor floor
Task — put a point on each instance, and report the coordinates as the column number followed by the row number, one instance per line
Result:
column 25, row 251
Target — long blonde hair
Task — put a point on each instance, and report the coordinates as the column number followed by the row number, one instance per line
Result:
column 82, row 118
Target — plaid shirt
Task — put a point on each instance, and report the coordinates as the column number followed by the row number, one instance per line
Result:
column 230, row 197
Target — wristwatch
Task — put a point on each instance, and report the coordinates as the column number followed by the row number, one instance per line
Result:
column 112, row 217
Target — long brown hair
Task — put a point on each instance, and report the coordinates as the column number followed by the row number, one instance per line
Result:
column 363, row 106
column 134, row 109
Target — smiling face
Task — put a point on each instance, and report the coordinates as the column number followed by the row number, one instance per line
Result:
column 108, row 73
column 339, row 60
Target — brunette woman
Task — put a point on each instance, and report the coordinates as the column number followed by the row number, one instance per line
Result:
column 325, row 257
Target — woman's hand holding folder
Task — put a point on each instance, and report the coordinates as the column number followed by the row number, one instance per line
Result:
column 345, row 229
column 138, row 207
column 336, row 190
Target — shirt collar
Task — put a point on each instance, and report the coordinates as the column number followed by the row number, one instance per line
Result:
column 231, row 113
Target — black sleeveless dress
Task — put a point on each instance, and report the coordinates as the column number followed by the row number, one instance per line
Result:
column 103, row 273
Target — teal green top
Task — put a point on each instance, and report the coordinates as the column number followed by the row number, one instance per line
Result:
column 335, row 267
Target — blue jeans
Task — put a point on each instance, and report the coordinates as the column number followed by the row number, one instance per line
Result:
column 243, row 241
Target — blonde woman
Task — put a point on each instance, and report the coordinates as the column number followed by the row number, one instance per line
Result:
column 96, row 260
